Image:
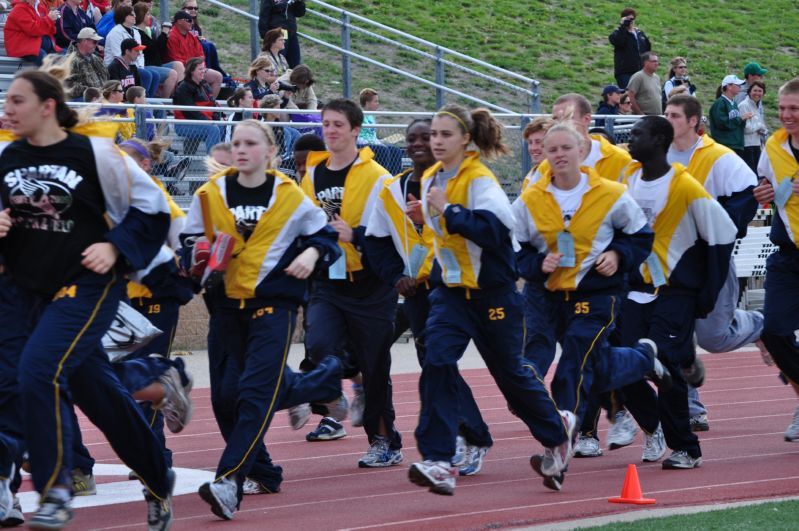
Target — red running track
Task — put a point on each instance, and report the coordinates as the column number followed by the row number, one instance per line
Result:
column 745, row 458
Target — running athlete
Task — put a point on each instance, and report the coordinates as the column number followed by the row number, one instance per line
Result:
column 679, row 282
column 280, row 238
column 728, row 179
column 77, row 216
column 580, row 235
column 474, row 297
column 400, row 248
column 351, row 309
column 779, row 164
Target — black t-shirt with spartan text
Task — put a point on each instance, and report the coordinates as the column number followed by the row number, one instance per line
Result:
column 247, row 204
column 329, row 188
column 57, row 206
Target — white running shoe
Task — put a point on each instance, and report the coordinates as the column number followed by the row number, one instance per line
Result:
column 654, row 446
column 792, row 433
column 553, row 463
column 680, row 459
column 176, row 406
column 460, row 452
column 6, row 496
column 474, row 460
column 587, row 447
column 222, row 496
column 622, row 430
column 299, row 416
column 439, row 476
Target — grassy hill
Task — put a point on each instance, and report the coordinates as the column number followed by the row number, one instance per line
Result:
column 561, row 43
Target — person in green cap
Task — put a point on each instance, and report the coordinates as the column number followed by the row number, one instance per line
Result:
column 752, row 72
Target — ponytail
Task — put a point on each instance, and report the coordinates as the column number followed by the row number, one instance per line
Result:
column 485, row 131
column 487, row 134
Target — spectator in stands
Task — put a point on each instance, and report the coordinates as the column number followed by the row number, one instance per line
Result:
column 196, row 91
column 106, row 23
column 677, row 77
column 644, row 87
column 153, row 29
column 370, row 102
column 304, row 96
column 209, row 48
column 162, row 40
column 263, row 78
column 183, row 45
column 725, row 119
column 86, row 67
column 611, row 96
column 283, row 14
column 628, row 44
column 73, row 19
column 752, row 72
column 625, row 105
column 137, row 96
column 152, row 77
column 241, row 98
column 123, row 67
column 96, row 8
column 112, row 93
column 304, row 145
column 152, row 52
column 755, row 130
column 92, row 95
column 274, row 43
column 285, row 136
column 27, row 35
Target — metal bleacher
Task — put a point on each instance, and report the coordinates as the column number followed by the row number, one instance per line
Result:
column 749, row 255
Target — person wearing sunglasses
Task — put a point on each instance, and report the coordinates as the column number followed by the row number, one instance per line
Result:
column 678, row 76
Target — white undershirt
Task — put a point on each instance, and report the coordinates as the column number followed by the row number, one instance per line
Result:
column 594, row 155
column 569, row 200
column 682, row 157
column 651, row 196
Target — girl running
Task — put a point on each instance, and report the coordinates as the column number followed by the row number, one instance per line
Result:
column 400, row 249
column 279, row 239
column 77, row 215
column 474, row 298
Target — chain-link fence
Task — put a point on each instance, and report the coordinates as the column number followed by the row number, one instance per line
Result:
column 186, row 164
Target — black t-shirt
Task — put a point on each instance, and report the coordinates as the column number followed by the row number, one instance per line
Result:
column 57, row 206
column 329, row 188
column 247, row 204
column 128, row 76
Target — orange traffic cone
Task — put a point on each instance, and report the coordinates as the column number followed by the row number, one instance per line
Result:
column 631, row 491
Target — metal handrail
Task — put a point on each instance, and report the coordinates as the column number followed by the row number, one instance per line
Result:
column 531, row 93
column 360, row 18
column 433, row 57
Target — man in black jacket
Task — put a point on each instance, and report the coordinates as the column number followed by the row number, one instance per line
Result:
column 283, row 14
column 628, row 44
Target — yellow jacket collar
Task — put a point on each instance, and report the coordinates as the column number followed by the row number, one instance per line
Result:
column 605, row 147
column 315, row 158
column 546, row 177
column 472, row 160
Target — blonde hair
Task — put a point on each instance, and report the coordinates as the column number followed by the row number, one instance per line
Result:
column 211, row 165
column 565, row 125
column 366, row 95
column 484, row 129
column 542, row 123
column 155, row 148
column 257, row 64
column 268, row 133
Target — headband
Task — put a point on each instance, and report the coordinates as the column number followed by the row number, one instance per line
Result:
column 447, row 113
column 138, row 148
